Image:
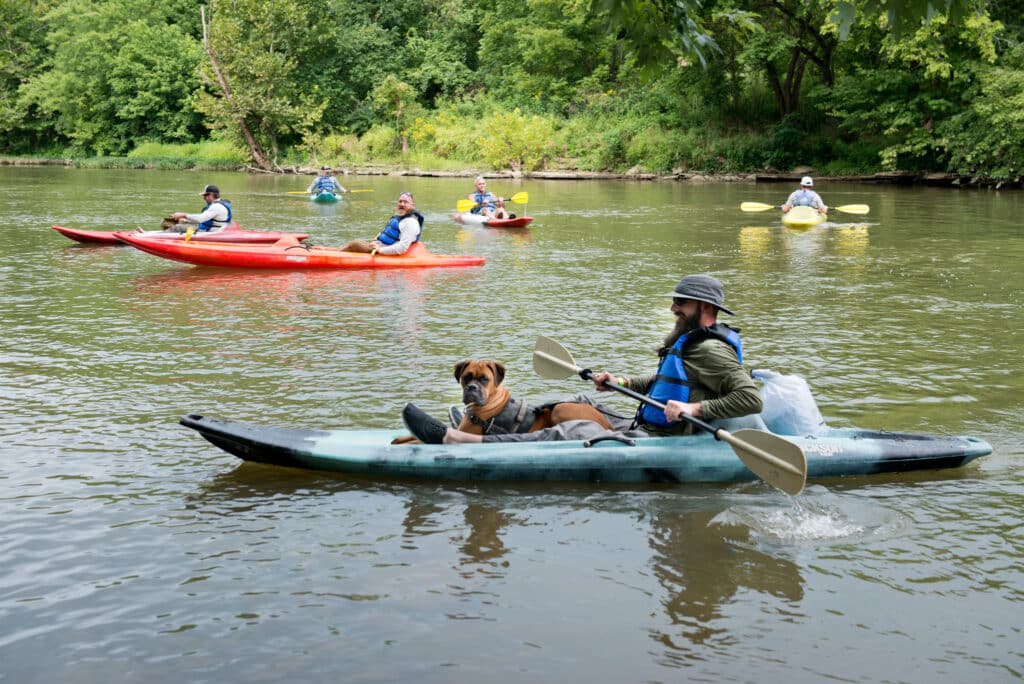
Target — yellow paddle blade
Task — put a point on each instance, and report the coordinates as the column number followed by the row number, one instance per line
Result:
column 853, row 208
column 520, row 198
column 756, row 206
column 362, row 190
column 464, row 205
column 296, row 192
column 188, row 233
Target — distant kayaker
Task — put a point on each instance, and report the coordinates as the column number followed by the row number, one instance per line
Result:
column 484, row 201
column 215, row 215
column 700, row 375
column 805, row 197
column 325, row 182
column 401, row 232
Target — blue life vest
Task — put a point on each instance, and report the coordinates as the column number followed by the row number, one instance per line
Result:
column 803, row 198
column 325, row 184
column 208, row 225
column 391, row 233
column 671, row 381
column 484, row 200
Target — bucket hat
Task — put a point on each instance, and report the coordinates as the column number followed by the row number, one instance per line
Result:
column 703, row 288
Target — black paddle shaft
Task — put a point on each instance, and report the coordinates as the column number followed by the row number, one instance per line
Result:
column 588, row 374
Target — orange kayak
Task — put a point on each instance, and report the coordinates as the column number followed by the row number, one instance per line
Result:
column 289, row 253
column 230, row 233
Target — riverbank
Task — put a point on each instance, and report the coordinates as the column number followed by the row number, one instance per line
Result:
column 635, row 174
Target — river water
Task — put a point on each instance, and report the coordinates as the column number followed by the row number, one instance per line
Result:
column 133, row 551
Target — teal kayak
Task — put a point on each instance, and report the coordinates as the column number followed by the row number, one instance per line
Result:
column 325, row 197
column 700, row 458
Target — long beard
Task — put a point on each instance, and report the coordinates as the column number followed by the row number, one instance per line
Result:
column 684, row 324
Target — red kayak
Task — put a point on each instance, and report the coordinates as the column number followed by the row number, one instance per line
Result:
column 231, row 233
column 470, row 219
column 289, row 253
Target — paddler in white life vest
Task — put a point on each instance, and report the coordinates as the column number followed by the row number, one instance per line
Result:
column 325, row 182
column 215, row 215
column 402, row 231
column 700, row 374
column 805, row 197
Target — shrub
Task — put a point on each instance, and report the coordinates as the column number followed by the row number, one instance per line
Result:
column 382, row 141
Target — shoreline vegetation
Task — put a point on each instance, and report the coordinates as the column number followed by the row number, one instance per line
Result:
column 398, row 169
column 640, row 90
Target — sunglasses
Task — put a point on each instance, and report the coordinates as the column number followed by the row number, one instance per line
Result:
column 681, row 301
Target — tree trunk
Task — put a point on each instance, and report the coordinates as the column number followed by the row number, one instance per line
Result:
column 255, row 149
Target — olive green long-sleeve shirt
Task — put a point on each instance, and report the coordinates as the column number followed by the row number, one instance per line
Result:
column 723, row 387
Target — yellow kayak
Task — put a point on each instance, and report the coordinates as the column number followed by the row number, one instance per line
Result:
column 802, row 217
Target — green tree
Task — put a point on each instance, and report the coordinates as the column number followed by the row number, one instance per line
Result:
column 545, row 55
column 905, row 92
column 119, row 71
column 251, row 90
column 983, row 139
column 395, row 98
column 22, row 52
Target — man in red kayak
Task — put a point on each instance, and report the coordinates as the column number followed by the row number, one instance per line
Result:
column 483, row 200
column 401, row 232
column 700, row 375
column 215, row 215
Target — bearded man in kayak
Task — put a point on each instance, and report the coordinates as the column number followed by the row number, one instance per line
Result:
column 805, row 197
column 700, row 374
column 215, row 215
column 325, row 182
column 401, row 232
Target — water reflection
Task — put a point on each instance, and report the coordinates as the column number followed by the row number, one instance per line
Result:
column 703, row 569
column 270, row 299
column 481, row 545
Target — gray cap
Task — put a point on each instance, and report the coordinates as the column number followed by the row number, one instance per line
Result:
column 703, row 288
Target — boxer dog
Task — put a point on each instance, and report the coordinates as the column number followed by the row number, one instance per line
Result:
column 491, row 409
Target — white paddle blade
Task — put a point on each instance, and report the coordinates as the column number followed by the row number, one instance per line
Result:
column 552, row 360
column 777, row 461
column 854, row 208
column 755, row 206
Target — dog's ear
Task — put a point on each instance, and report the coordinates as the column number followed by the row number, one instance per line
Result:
column 499, row 371
column 460, row 368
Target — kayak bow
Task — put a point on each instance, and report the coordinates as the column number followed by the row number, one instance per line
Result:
column 231, row 233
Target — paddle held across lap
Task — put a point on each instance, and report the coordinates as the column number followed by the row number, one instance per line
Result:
column 777, row 461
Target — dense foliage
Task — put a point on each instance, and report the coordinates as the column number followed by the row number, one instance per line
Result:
column 661, row 86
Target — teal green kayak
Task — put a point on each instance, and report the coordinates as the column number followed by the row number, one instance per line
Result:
column 700, row 458
column 326, row 197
